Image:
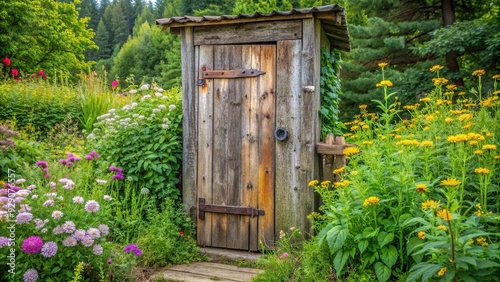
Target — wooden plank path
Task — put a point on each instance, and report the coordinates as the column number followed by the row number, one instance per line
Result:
column 208, row 272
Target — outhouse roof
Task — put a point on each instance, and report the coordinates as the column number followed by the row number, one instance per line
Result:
column 332, row 19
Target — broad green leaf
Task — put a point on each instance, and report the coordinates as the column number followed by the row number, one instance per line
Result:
column 481, row 264
column 340, row 260
column 383, row 272
column 418, row 270
column 336, row 238
column 389, row 255
column 362, row 245
column 384, row 238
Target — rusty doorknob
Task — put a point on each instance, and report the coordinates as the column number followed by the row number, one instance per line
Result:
column 280, row 133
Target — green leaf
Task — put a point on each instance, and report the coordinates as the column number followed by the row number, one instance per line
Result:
column 362, row 245
column 336, row 238
column 55, row 269
column 422, row 268
column 463, row 261
column 383, row 272
column 389, row 255
column 482, row 264
column 340, row 260
column 385, row 238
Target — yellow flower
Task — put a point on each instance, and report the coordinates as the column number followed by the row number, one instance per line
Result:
column 496, row 76
column 465, row 117
column 489, row 147
column 444, row 214
column 408, row 142
column 339, row 170
column 426, row 128
column 496, row 92
column 325, row 183
column 341, row 184
column 448, row 120
column 482, row 241
column 382, row 65
column 451, row 182
column 354, row 172
column 354, row 128
column 439, row 81
column 426, row 99
column 442, row 227
column 458, row 138
column 482, row 170
column 478, row 72
column 362, row 107
column 372, row 200
column 496, row 157
column 442, row 271
column 430, row 204
column 313, row 183
column 436, row 68
column 421, row 188
column 351, row 151
column 421, row 235
column 461, row 93
column 383, row 83
column 426, row 143
column 473, row 143
column 470, row 242
column 451, row 87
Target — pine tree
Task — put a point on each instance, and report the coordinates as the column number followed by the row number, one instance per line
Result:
column 146, row 15
column 102, row 41
column 119, row 25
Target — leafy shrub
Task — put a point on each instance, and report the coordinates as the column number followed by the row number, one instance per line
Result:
column 167, row 237
column 419, row 197
column 58, row 223
column 144, row 138
column 38, row 103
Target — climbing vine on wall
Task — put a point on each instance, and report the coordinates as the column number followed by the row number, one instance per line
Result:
column 330, row 93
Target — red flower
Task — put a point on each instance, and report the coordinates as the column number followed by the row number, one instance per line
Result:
column 181, row 233
column 6, row 61
column 14, row 72
column 42, row 74
column 114, row 83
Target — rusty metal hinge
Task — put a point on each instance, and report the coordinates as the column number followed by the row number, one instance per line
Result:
column 231, row 73
column 202, row 208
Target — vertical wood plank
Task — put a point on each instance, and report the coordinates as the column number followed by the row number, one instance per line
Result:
column 205, row 144
column 251, row 174
column 267, row 144
column 189, row 126
column 310, row 100
column 222, row 57
column 288, row 113
column 237, row 238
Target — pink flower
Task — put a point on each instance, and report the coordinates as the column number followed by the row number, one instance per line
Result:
column 285, row 255
column 6, row 61
column 32, row 245
column 42, row 74
column 181, row 233
column 14, row 72
column 114, row 83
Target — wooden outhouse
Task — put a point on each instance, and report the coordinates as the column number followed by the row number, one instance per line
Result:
column 251, row 102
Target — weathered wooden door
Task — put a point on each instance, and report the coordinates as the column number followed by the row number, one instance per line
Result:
column 236, row 147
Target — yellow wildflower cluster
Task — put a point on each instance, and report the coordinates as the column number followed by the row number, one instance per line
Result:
column 482, row 241
column 489, row 147
column 436, row 68
column 465, row 117
column 451, row 182
column 442, row 271
column 313, row 215
column 478, row 211
column 411, row 108
column 457, row 112
column 341, row 184
column 383, row 64
column 384, row 83
column 478, row 152
column 349, row 151
column 372, row 200
column 451, row 87
column 367, row 142
column 408, row 142
column 448, row 120
column 444, row 214
column 482, row 170
column 489, row 102
column 439, row 81
column 362, row 107
column 478, row 72
column 426, row 143
column 442, row 227
column 426, row 99
column 421, row 188
column 496, row 76
column 430, row 204
column 421, row 235
column 471, row 136
column 313, row 183
column 325, row 183
column 339, row 170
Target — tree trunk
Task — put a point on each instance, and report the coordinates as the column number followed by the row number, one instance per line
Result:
column 448, row 16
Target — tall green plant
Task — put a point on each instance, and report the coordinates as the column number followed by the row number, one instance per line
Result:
column 330, row 93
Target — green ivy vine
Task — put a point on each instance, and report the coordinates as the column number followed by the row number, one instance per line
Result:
column 330, row 93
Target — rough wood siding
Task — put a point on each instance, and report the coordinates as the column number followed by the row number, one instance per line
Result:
column 288, row 111
column 189, row 126
column 205, row 131
column 248, row 33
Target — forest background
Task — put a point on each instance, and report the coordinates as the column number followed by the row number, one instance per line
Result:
column 119, row 38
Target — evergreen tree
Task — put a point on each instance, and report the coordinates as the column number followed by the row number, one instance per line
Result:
column 119, row 25
column 102, row 41
column 88, row 8
column 171, row 9
column 145, row 16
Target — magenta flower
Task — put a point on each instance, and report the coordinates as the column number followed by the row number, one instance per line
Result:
column 89, row 157
column 110, row 260
column 49, row 249
column 114, row 83
column 42, row 164
column 6, row 61
column 32, row 245
column 285, row 255
column 133, row 248
column 14, row 72
column 63, row 161
column 46, row 175
column 42, row 74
